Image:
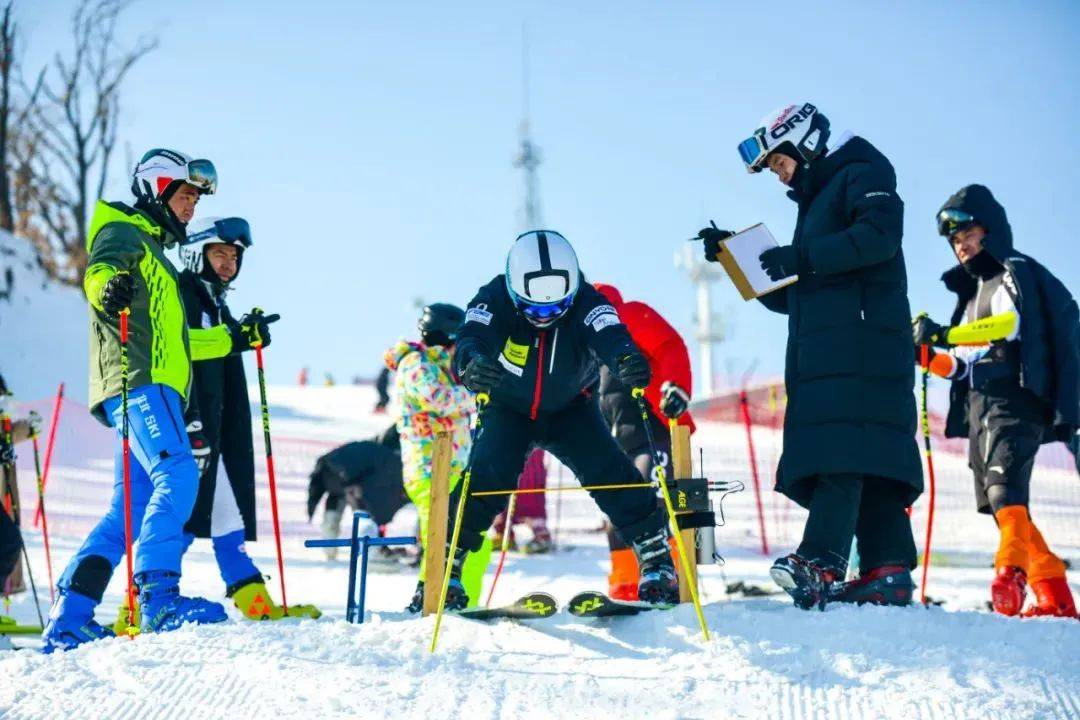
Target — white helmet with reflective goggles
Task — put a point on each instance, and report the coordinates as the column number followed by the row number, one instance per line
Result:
column 159, row 174
column 801, row 125
column 202, row 233
column 542, row 276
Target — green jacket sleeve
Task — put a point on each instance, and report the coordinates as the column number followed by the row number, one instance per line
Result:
column 210, row 343
column 116, row 248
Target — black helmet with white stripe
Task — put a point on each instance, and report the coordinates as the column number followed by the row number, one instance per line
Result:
column 542, row 276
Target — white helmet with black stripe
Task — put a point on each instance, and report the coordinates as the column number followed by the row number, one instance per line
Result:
column 542, row 276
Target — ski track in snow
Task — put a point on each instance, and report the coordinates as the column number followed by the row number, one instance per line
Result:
column 766, row 659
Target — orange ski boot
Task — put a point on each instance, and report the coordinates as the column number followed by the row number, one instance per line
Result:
column 1011, row 560
column 1053, row 598
column 623, row 580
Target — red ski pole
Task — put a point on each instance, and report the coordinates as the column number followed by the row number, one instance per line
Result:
column 44, row 517
column 507, row 531
column 270, row 472
column 744, row 404
column 39, row 513
column 925, row 362
column 125, row 434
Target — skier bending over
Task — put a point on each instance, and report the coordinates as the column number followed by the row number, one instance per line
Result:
column 219, row 416
column 127, row 268
column 531, row 340
column 430, row 399
column 1014, row 363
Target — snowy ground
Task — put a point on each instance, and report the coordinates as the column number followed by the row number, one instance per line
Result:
column 765, row 659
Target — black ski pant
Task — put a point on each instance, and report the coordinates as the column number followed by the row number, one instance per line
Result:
column 1006, row 427
column 643, row 460
column 872, row 509
column 578, row 436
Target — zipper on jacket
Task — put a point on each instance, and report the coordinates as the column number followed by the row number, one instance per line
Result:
column 539, row 377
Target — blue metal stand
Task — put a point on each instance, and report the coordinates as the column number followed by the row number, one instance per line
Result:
column 358, row 548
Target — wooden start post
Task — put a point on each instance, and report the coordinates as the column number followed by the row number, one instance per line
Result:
column 682, row 466
column 435, row 542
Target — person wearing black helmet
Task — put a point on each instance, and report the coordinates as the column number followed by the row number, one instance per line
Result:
column 431, row 399
column 849, row 452
column 533, row 340
column 1012, row 351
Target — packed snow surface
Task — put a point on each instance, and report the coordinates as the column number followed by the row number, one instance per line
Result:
column 765, row 659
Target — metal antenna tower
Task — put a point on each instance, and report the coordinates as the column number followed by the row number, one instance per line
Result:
column 528, row 157
column 709, row 328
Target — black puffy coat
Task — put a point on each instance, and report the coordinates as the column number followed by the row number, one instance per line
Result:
column 849, row 365
column 220, row 398
column 546, row 368
column 370, row 465
column 1049, row 322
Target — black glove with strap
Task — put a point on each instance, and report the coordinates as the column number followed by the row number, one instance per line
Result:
column 674, row 401
column 712, row 237
column 482, row 374
column 925, row 331
column 633, row 370
column 253, row 329
column 117, row 294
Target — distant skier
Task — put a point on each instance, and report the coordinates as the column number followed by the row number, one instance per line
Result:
column 668, row 395
column 849, row 431
column 219, row 415
column 364, row 475
column 127, row 268
column 530, row 510
column 382, row 389
column 430, row 399
column 1014, row 363
column 532, row 339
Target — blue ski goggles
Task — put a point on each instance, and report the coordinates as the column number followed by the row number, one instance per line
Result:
column 753, row 152
column 232, row 230
column 542, row 312
column 951, row 221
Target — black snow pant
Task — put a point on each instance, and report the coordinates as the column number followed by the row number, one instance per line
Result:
column 1006, row 427
column 10, row 545
column 872, row 509
column 578, row 436
column 643, row 460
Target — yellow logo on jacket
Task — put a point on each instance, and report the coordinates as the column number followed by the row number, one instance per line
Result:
column 517, row 354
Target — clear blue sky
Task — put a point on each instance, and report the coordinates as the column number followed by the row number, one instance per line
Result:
column 370, row 143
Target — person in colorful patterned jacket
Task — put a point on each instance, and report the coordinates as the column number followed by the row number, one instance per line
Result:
column 128, row 272
column 430, row 399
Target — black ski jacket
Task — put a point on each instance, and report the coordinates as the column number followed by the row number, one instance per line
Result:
column 849, row 364
column 369, row 464
column 546, row 368
column 1049, row 322
column 220, row 398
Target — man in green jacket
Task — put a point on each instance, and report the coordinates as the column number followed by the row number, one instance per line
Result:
column 128, row 272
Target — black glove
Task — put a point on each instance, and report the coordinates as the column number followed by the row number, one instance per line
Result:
column 927, row 332
column 253, row 329
column 780, row 262
column 482, row 374
column 117, row 294
column 674, row 401
column 200, row 446
column 712, row 237
column 633, row 370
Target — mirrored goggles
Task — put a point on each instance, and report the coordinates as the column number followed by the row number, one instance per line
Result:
column 951, row 221
column 542, row 312
column 752, row 150
column 203, row 175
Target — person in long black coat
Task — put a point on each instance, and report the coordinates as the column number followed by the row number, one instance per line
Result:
column 849, row 452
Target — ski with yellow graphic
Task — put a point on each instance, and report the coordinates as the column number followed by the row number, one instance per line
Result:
column 594, row 603
column 535, row 605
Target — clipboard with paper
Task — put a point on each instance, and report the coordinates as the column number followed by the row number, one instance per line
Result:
column 740, row 255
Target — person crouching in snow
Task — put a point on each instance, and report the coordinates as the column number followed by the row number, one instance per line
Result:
column 1013, row 355
column 430, row 399
column 668, row 397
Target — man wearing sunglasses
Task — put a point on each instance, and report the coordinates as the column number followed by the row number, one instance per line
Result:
column 128, row 272
column 532, row 340
column 849, row 453
column 1012, row 351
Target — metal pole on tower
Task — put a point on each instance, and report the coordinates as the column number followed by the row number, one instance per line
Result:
column 528, row 158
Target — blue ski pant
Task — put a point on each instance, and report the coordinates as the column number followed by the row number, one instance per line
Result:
column 235, row 565
column 164, row 482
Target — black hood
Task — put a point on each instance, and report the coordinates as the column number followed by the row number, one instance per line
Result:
column 979, row 202
column 816, row 175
